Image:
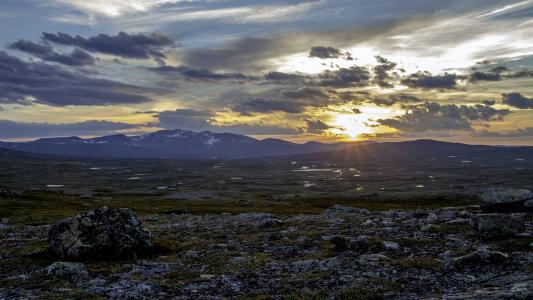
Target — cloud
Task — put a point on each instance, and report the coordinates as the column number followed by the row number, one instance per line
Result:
column 345, row 77
column 485, row 76
column 283, row 100
column 523, row 132
column 382, row 72
column 316, row 126
column 517, row 100
column 286, row 78
column 325, row 52
column 425, row 80
column 189, row 119
column 10, row 129
column 114, row 8
column 262, row 105
column 489, row 102
column 45, row 52
column 432, row 116
column 199, row 120
column 134, row 46
column 24, row 82
column 197, row 73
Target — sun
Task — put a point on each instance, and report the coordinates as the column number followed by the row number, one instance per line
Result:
column 351, row 125
column 354, row 126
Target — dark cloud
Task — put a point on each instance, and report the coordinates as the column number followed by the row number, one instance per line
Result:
column 305, row 93
column 189, row 119
column 425, row 80
column 46, row 52
column 262, row 105
column 393, row 99
column 489, row 102
column 135, row 46
column 325, row 52
column 520, row 74
column 517, row 100
column 285, row 78
column 485, row 76
column 345, row 77
column 382, row 72
column 23, row 82
column 384, row 101
column 284, row 100
column 10, row 129
column 202, row 74
column 316, row 126
column 432, row 116
column 524, row 132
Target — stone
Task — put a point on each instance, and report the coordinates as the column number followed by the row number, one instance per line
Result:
column 304, row 265
column 100, row 233
column 391, row 246
column 494, row 225
column 482, row 255
column 432, row 218
column 345, row 210
column 341, row 243
column 506, row 200
column 74, row 271
column 446, row 215
column 359, row 244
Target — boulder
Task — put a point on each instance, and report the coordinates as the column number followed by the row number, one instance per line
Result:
column 343, row 243
column 506, row 200
column 74, row 271
column 391, row 246
column 495, row 225
column 100, row 233
column 483, row 255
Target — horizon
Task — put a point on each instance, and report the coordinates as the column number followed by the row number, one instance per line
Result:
column 294, row 70
column 261, row 138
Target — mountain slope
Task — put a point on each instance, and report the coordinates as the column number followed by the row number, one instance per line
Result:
column 176, row 144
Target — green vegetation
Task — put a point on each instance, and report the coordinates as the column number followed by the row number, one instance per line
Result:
column 47, row 207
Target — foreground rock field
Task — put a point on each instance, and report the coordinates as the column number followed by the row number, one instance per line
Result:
column 342, row 253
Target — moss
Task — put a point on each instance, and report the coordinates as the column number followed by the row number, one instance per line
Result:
column 416, row 263
column 29, row 209
column 515, row 244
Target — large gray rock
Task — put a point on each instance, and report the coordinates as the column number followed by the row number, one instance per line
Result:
column 100, row 233
column 68, row 270
column 506, row 200
column 495, row 225
column 483, row 255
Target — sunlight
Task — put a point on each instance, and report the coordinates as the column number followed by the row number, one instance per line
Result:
column 356, row 125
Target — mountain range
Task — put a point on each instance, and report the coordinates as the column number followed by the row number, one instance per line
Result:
column 171, row 144
column 183, row 144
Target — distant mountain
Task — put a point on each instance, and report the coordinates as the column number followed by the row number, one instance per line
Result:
column 420, row 151
column 172, row 144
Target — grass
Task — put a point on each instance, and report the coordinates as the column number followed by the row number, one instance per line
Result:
column 44, row 207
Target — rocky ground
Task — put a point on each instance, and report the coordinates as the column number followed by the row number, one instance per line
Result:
column 342, row 253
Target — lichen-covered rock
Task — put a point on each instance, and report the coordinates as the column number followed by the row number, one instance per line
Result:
column 483, row 255
column 495, row 225
column 506, row 200
column 100, row 233
column 68, row 270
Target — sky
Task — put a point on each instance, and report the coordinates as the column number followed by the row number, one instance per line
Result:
column 323, row 70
